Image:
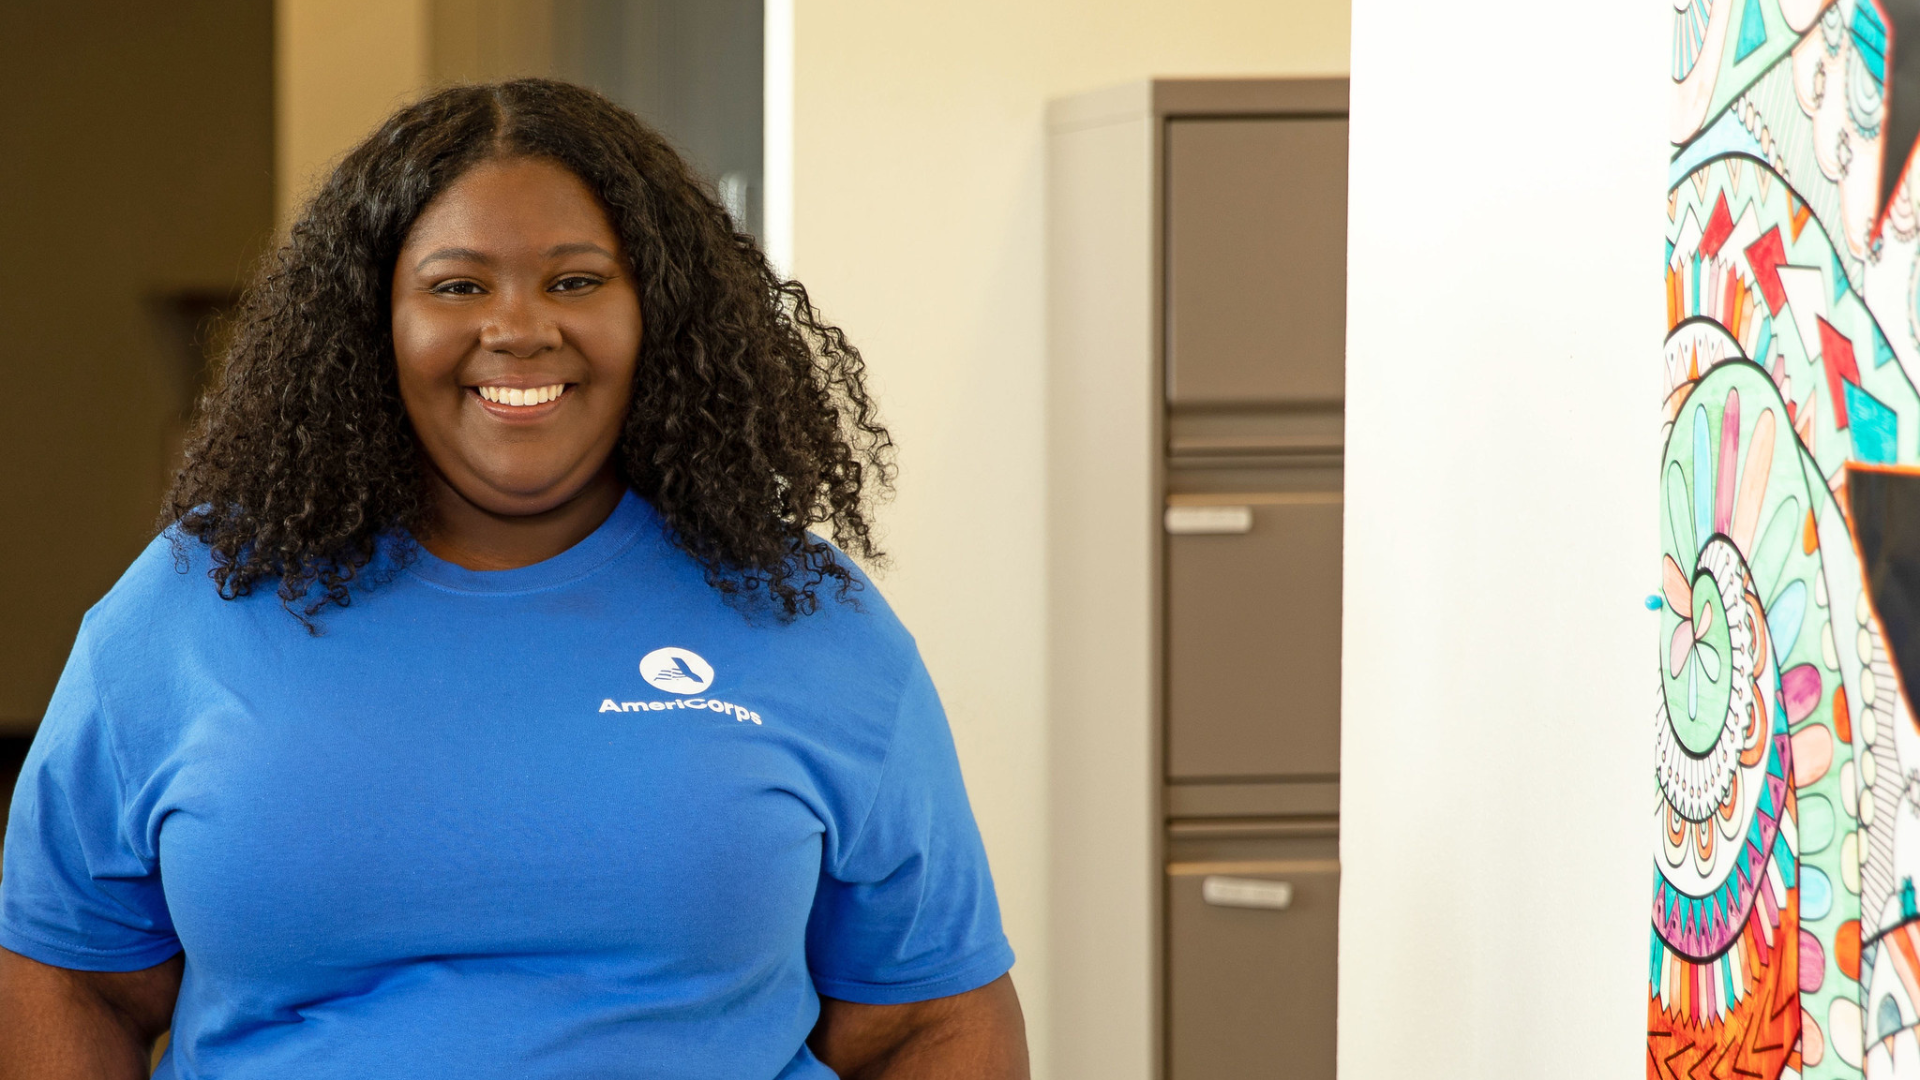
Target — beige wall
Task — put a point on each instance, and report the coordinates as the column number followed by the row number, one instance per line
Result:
column 340, row 66
column 918, row 193
column 137, row 151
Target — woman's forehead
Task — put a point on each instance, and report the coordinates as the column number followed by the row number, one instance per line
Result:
column 519, row 206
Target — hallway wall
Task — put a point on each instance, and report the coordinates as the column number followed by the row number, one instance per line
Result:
column 918, row 194
column 339, row 67
column 136, row 164
column 1504, row 341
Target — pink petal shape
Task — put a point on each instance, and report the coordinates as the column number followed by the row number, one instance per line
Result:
column 1673, row 585
column 1706, row 623
column 1800, row 691
column 1813, row 1041
column 1753, row 483
column 1729, row 467
column 1812, row 754
column 1813, row 962
column 1677, row 651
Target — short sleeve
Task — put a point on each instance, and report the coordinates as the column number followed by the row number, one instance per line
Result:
column 908, row 912
column 77, row 889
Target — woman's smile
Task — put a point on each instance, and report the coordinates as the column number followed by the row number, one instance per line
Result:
column 519, row 404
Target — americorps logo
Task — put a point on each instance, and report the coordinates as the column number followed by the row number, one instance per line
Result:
column 676, row 670
column 683, row 672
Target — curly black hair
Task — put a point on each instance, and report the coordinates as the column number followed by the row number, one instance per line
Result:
column 750, row 418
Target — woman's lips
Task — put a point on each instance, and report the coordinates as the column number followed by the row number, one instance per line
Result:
column 521, row 395
column 534, row 402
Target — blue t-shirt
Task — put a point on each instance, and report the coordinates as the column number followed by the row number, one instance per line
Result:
column 579, row 819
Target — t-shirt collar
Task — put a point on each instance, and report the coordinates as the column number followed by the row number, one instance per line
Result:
column 614, row 536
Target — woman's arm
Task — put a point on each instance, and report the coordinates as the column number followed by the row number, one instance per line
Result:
column 978, row 1035
column 57, row 1024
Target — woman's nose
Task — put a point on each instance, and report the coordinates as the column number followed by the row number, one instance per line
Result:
column 517, row 324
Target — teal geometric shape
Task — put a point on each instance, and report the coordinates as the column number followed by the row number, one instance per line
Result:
column 1882, row 352
column 1876, row 430
column 1870, row 41
column 1753, row 31
column 1840, row 282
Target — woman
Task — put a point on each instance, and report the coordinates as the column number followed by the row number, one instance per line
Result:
column 523, row 729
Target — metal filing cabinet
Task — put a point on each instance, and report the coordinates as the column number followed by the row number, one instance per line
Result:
column 1251, row 945
column 1197, row 233
column 1256, row 246
column 1253, row 636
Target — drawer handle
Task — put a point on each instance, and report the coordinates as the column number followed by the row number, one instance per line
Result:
column 1246, row 892
column 1209, row 520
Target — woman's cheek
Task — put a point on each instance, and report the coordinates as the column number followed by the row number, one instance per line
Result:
column 610, row 339
column 428, row 349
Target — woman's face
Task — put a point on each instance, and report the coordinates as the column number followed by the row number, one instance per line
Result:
column 516, row 328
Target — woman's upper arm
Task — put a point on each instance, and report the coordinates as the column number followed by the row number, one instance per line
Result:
column 905, row 908
column 82, row 886
column 57, row 1023
column 978, row 1035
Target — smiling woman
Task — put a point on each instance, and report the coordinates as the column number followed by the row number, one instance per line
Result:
column 516, row 330
column 544, row 724
column 746, row 417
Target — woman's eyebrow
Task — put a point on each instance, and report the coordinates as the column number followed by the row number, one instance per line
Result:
column 578, row 247
column 465, row 254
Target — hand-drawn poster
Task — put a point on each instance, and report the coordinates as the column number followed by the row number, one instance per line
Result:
column 1786, row 929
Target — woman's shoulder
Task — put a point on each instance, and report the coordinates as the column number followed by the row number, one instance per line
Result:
column 172, row 569
column 842, row 610
column 135, row 645
column 852, row 613
column 167, row 589
column 159, row 574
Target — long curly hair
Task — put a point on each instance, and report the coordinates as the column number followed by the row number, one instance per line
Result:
column 750, row 419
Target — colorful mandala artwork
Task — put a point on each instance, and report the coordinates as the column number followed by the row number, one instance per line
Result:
column 1786, row 831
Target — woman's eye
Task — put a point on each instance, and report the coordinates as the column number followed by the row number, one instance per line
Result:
column 575, row 283
column 457, row 288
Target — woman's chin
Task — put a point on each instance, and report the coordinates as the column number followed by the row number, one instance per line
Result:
column 514, row 495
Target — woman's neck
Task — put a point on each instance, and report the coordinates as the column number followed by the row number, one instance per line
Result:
column 468, row 535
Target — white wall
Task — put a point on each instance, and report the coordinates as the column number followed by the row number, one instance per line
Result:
column 917, row 193
column 1504, row 329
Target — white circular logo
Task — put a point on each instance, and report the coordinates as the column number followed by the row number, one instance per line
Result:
column 677, row 671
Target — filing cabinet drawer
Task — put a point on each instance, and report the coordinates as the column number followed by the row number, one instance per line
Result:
column 1251, row 960
column 1256, row 260
column 1253, row 638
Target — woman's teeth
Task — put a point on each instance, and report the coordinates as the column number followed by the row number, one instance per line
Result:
column 538, row 395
